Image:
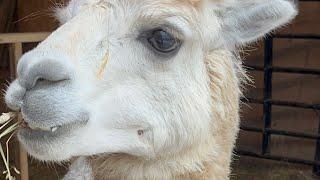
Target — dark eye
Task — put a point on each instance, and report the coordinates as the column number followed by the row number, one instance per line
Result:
column 163, row 42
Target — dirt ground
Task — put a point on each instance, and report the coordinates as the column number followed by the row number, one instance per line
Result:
column 247, row 168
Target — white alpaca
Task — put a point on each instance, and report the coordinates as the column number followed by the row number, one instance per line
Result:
column 141, row 89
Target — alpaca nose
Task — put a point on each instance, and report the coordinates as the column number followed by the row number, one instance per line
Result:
column 34, row 66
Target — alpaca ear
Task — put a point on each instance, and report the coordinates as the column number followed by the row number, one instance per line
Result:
column 248, row 20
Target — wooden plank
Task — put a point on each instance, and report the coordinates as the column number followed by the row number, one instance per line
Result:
column 24, row 167
column 15, row 143
column 22, row 152
column 17, row 52
column 23, row 156
column 9, row 38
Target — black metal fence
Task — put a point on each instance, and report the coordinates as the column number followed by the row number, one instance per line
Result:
column 268, row 102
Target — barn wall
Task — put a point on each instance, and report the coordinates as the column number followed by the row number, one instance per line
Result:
column 35, row 15
column 288, row 87
column 7, row 11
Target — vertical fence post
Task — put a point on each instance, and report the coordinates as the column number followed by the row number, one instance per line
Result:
column 316, row 168
column 267, row 92
column 23, row 157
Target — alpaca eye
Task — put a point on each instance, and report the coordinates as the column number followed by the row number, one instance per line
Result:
column 163, row 42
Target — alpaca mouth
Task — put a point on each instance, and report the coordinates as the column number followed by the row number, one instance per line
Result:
column 33, row 135
column 42, row 142
column 26, row 125
column 34, row 128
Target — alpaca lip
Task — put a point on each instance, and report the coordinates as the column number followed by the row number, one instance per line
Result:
column 34, row 131
column 26, row 125
column 32, row 138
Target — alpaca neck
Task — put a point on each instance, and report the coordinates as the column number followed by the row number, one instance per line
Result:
column 198, row 162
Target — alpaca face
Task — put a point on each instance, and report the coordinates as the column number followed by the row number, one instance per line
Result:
column 128, row 76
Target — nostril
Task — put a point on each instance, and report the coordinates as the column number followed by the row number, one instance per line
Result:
column 39, row 80
column 43, row 79
column 14, row 95
column 32, row 71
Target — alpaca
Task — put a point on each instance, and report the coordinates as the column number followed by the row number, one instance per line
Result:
column 141, row 89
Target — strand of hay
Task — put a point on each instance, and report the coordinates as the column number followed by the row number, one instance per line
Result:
column 5, row 119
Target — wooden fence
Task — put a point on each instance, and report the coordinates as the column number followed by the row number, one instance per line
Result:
column 15, row 42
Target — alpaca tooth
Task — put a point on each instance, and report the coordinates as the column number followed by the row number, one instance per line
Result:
column 53, row 129
column 32, row 127
column 38, row 128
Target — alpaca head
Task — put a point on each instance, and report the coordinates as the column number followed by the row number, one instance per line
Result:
column 124, row 76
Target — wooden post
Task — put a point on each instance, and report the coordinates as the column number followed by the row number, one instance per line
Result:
column 23, row 156
column 23, row 161
column 15, row 41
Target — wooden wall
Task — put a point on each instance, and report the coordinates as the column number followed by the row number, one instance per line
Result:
column 288, row 87
column 35, row 15
column 7, row 11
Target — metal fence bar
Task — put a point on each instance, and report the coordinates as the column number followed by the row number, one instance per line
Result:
column 297, row 36
column 283, row 103
column 316, row 168
column 286, row 70
column 268, row 102
column 267, row 92
column 279, row 158
column 281, row 132
column 309, row 0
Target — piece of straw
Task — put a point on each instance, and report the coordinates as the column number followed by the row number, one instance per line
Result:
column 103, row 65
column 5, row 119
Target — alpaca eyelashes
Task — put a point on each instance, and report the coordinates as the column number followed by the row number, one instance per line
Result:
column 163, row 42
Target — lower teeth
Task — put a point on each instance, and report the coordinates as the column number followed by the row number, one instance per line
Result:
column 53, row 129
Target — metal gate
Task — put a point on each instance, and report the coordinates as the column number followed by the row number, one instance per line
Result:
column 267, row 101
